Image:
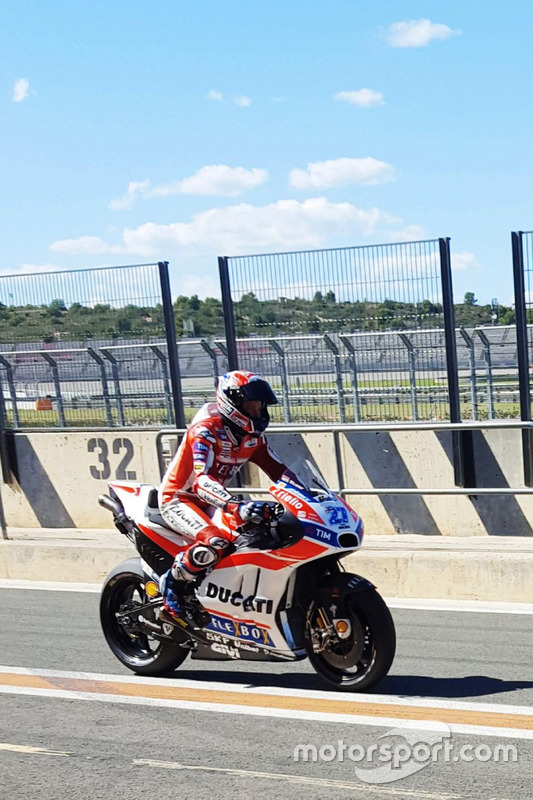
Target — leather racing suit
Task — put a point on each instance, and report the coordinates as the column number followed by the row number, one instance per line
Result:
column 194, row 486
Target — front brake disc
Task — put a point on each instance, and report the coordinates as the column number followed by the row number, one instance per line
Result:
column 346, row 653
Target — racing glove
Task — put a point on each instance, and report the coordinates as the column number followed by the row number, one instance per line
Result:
column 255, row 512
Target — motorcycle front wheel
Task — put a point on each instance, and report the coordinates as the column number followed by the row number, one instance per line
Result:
column 123, row 591
column 359, row 662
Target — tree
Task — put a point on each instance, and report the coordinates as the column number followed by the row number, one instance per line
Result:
column 470, row 299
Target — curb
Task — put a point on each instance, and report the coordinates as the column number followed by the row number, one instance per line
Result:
column 43, row 561
column 447, row 575
column 496, row 575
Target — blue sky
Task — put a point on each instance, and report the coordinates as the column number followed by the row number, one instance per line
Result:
column 242, row 127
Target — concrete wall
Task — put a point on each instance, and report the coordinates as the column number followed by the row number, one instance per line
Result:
column 407, row 459
column 61, row 474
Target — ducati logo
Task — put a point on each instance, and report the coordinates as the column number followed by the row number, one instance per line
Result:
column 251, row 603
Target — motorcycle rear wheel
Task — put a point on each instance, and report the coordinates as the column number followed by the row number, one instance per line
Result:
column 358, row 663
column 123, row 589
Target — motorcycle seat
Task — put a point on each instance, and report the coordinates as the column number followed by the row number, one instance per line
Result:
column 152, row 512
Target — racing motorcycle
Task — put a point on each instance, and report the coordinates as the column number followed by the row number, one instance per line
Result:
column 282, row 595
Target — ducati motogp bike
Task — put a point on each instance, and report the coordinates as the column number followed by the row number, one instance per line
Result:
column 282, row 595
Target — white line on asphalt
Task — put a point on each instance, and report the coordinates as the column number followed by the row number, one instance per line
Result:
column 23, row 748
column 470, row 606
column 350, row 701
column 413, row 603
column 302, row 779
column 279, row 691
column 50, row 586
column 277, row 713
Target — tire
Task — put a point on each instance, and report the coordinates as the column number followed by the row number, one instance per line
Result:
column 140, row 653
column 358, row 663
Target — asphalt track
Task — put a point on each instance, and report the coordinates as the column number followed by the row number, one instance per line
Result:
column 74, row 723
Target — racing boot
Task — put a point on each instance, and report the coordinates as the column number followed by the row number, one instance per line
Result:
column 179, row 598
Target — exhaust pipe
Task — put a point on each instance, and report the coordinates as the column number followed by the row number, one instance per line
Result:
column 110, row 505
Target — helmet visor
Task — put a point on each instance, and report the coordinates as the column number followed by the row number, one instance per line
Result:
column 259, row 390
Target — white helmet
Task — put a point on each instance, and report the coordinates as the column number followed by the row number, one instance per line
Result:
column 234, row 388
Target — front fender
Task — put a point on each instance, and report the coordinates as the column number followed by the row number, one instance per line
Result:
column 339, row 586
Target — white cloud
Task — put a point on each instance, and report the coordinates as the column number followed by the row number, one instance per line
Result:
column 28, row 269
column 202, row 285
column 341, row 171
column 463, row 261
column 223, row 180
column 135, row 189
column 284, row 225
column 365, row 98
column 214, row 179
column 243, row 100
column 85, row 245
column 417, row 33
column 407, row 233
column 21, row 89
column 214, row 95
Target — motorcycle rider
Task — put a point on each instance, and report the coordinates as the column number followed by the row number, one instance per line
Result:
column 222, row 437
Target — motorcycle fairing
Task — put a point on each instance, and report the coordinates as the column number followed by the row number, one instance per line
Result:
column 243, row 593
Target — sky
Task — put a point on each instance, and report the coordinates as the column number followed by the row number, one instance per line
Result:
column 183, row 130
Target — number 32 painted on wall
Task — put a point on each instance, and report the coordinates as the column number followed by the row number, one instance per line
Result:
column 102, row 472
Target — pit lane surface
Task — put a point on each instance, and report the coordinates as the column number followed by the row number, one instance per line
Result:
column 230, row 729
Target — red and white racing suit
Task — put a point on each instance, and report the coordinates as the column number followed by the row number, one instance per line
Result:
column 194, row 484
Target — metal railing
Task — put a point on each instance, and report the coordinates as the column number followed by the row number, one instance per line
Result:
column 164, row 455
column 328, row 378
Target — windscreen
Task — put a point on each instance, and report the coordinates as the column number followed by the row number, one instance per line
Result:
column 306, row 474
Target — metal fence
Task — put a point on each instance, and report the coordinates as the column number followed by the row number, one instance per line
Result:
column 522, row 246
column 398, row 293
column 106, row 385
column 76, row 305
column 361, row 364
column 59, row 362
column 327, row 378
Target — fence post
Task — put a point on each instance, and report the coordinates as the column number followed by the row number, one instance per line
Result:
column 488, row 361
column 166, row 383
column 355, row 381
column 229, row 314
column 473, row 377
column 105, row 386
column 284, row 378
column 523, row 353
column 12, row 390
column 116, row 382
column 462, row 442
column 330, row 344
column 172, row 347
column 57, row 386
column 4, row 471
column 412, row 373
column 214, row 359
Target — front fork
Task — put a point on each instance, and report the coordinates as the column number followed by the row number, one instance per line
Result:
column 325, row 627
